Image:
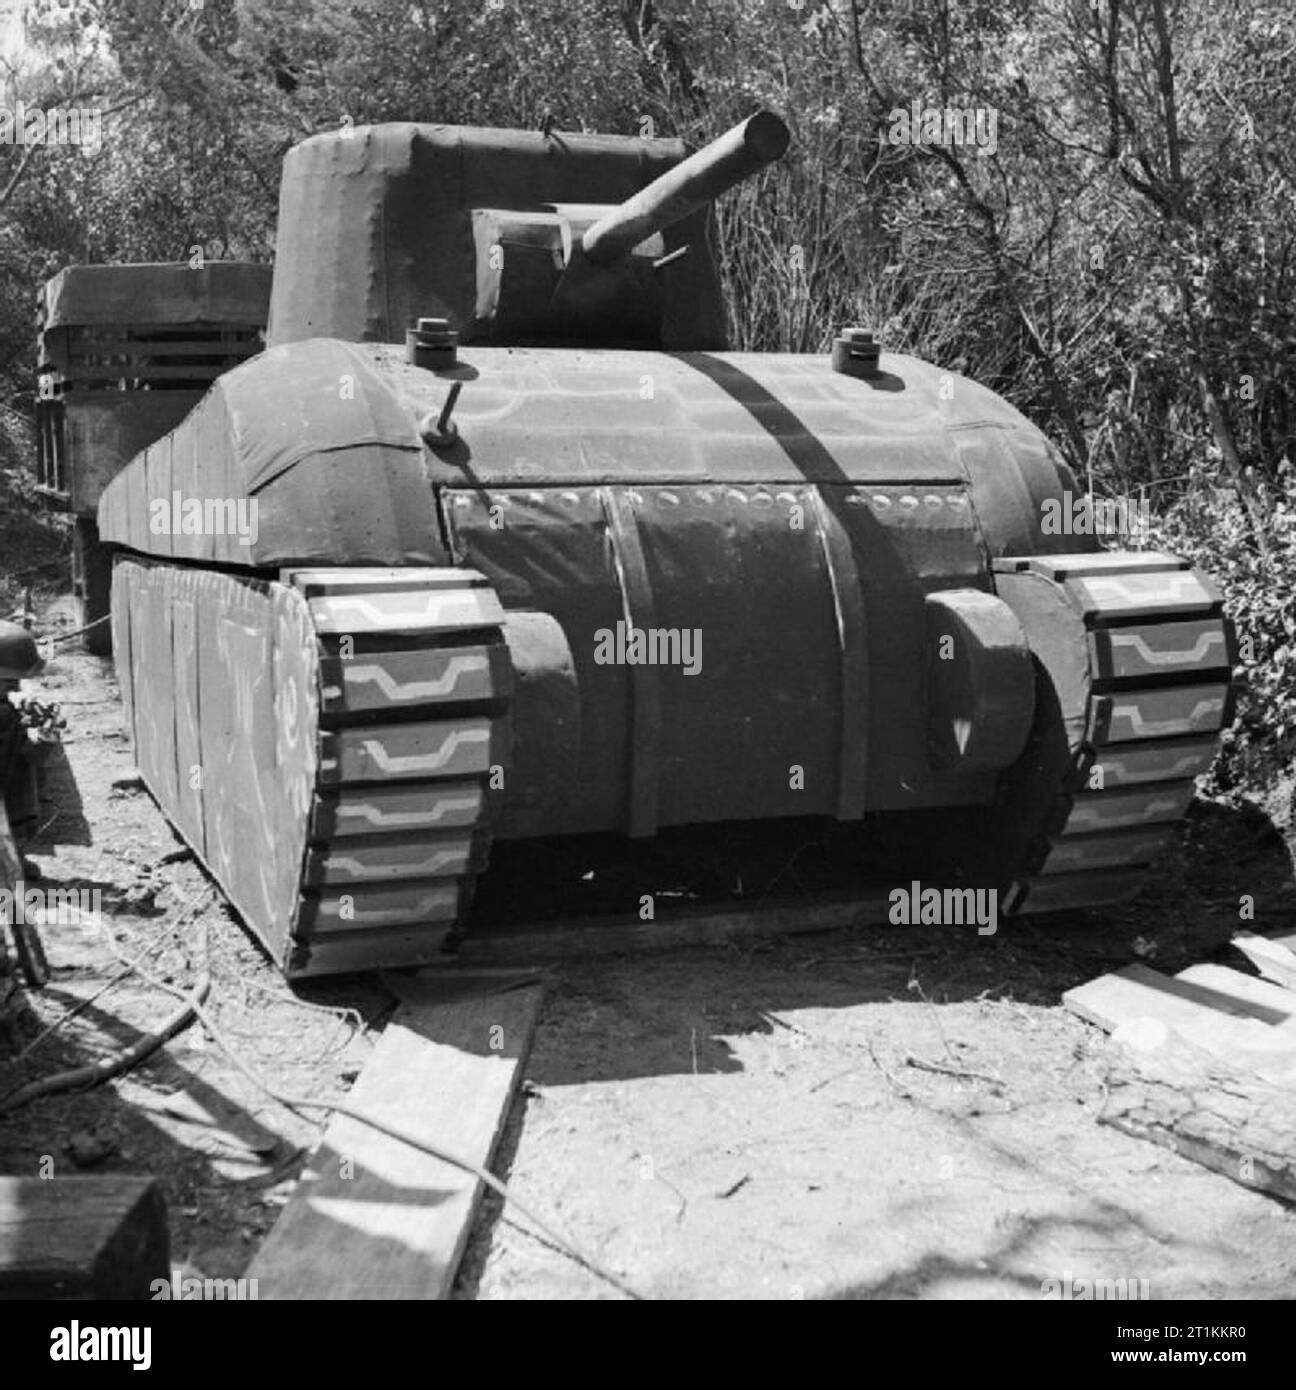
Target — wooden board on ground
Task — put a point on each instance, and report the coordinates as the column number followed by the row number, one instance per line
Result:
column 1232, row 1023
column 82, row 1237
column 671, row 928
column 1268, row 1002
column 374, row 1217
column 1205, row 1065
column 1163, row 1089
column 1273, row 958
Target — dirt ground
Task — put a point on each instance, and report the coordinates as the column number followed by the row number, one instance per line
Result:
column 900, row 1113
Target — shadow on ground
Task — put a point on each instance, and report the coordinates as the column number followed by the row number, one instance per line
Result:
column 615, row 1018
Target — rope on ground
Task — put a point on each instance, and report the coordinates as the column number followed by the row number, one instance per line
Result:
column 95, row 1073
column 76, row 632
column 299, row 1103
column 193, row 901
column 71, row 1014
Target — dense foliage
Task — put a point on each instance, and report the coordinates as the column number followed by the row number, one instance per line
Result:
column 1119, row 260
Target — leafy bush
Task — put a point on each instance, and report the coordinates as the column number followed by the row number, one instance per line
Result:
column 1209, row 527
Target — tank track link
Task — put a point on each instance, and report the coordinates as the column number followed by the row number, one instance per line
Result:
column 1147, row 713
column 330, row 753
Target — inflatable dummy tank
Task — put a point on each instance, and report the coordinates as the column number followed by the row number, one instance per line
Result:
column 497, row 542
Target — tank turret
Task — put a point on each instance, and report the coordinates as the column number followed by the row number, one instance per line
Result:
column 700, row 179
column 620, row 252
column 513, row 237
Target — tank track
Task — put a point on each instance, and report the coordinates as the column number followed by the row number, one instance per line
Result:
column 1149, row 711
column 357, row 713
column 361, row 716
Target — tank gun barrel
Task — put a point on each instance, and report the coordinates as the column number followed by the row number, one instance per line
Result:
column 702, row 177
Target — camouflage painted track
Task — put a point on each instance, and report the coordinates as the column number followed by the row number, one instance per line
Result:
column 1157, row 694
column 324, row 744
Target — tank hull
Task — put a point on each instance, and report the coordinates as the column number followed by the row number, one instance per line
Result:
column 739, row 550
column 799, row 595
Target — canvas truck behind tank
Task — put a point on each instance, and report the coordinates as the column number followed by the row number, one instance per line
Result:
column 124, row 352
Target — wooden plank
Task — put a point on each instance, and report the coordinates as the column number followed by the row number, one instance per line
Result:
column 1253, row 1036
column 377, row 1218
column 82, row 1237
column 704, row 926
column 148, row 332
column 1163, row 1089
column 145, row 347
column 1272, row 958
column 1268, row 1002
column 139, row 371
